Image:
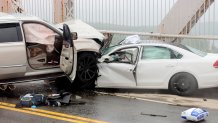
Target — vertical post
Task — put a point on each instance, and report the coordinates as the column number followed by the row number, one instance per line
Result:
column 63, row 9
column 9, row 6
column 5, row 6
column 1, row 6
column 68, row 9
column 161, row 29
column 58, row 11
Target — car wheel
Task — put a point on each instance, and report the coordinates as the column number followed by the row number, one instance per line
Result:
column 183, row 84
column 87, row 71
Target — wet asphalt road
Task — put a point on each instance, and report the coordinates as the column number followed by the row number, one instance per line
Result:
column 99, row 107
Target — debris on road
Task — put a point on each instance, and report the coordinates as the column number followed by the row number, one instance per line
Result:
column 205, row 99
column 30, row 100
column 153, row 115
column 59, row 99
column 194, row 114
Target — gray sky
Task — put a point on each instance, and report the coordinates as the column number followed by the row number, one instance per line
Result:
column 129, row 12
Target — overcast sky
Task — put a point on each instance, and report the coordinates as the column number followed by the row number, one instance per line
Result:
column 130, row 12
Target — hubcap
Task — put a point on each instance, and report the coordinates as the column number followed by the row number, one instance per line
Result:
column 182, row 85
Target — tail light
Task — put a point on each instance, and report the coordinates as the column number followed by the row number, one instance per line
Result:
column 215, row 65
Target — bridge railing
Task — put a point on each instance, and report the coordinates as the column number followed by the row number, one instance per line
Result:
column 120, row 15
column 203, row 43
column 129, row 16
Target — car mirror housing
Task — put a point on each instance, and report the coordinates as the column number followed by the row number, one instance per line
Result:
column 74, row 35
column 67, row 34
column 107, row 60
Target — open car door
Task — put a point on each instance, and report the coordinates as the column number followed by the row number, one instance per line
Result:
column 118, row 70
column 67, row 53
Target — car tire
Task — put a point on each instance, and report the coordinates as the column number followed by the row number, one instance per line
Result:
column 183, row 84
column 87, row 71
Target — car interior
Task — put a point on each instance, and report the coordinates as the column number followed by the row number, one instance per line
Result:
column 125, row 56
column 43, row 46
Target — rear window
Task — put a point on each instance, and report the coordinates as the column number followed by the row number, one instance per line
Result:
column 159, row 52
column 10, row 32
column 193, row 50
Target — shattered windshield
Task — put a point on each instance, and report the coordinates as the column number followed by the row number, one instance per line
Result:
column 107, row 50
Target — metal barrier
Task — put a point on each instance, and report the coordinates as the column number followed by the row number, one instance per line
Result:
column 130, row 16
column 203, row 43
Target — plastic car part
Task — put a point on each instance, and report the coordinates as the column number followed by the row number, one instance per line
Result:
column 194, row 114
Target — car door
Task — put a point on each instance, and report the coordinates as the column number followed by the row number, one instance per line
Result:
column 118, row 70
column 67, row 59
column 156, row 64
column 12, row 51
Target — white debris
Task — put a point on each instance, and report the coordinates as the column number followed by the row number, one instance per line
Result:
column 133, row 39
column 78, row 97
column 194, row 114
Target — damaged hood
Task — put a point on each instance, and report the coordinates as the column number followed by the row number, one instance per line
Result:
column 83, row 30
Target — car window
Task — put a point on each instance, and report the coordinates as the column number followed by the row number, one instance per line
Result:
column 196, row 51
column 158, row 52
column 127, row 55
column 41, row 34
column 191, row 49
column 10, row 32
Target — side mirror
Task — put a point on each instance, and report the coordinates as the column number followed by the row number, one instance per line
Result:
column 107, row 60
column 67, row 34
column 74, row 35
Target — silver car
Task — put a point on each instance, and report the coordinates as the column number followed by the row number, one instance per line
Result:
column 32, row 49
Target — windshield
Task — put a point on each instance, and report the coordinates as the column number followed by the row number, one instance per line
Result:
column 193, row 50
column 107, row 50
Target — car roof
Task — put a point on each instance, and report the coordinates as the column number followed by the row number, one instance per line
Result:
column 153, row 43
column 17, row 17
column 149, row 42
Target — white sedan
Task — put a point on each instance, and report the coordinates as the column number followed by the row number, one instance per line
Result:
column 181, row 69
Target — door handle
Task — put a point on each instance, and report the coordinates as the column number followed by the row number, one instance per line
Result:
column 66, row 58
column 132, row 70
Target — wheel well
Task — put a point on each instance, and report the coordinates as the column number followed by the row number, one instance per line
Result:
column 80, row 52
column 184, row 73
column 88, row 52
column 84, row 83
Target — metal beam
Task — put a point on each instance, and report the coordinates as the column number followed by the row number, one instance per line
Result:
column 160, row 35
column 183, row 16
